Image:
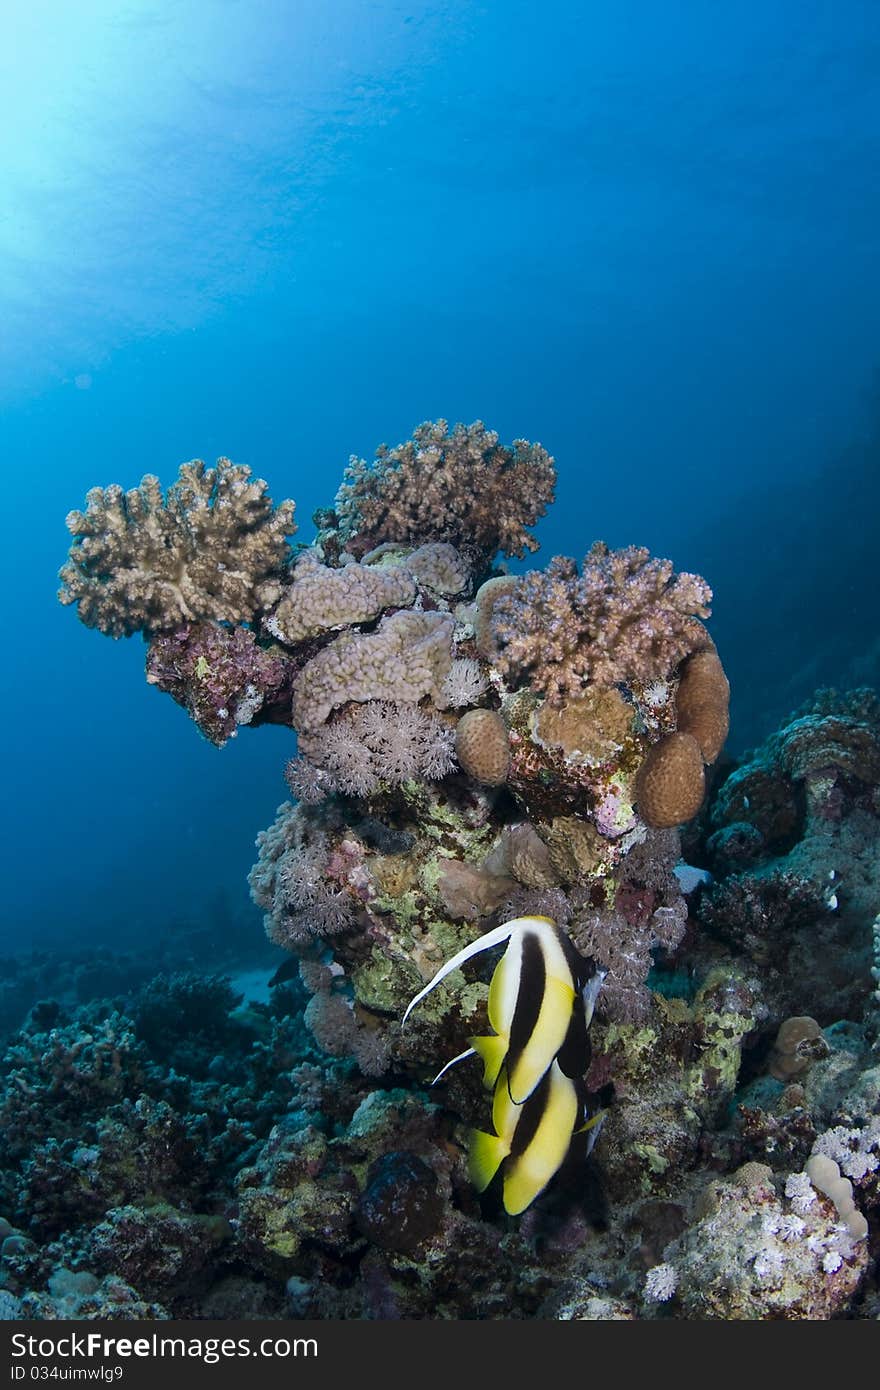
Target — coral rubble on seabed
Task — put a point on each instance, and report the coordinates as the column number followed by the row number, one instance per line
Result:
column 472, row 746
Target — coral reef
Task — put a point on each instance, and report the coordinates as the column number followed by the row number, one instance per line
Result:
column 795, row 848
column 157, row 1177
column 468, row 747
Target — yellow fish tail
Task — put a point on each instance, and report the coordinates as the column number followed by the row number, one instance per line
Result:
column 485, row 1156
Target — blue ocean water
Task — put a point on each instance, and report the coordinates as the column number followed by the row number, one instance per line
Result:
column 645, row 235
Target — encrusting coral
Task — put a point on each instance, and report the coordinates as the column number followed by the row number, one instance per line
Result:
column 221, row 676
column 407, row 657
column 319, row 598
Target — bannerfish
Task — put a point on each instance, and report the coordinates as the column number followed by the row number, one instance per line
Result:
column 531, row 1140
column 541, row 1000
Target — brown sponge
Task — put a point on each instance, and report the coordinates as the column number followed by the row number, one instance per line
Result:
column 482, row 747
column 671, row 783
column 702, row 700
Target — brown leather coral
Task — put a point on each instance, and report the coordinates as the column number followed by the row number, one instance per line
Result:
column 482, row 746
column 671, row 783
column 702, row 702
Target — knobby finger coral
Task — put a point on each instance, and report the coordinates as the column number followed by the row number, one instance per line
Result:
column 458, row 485
column 212, row 548
column 624, row 617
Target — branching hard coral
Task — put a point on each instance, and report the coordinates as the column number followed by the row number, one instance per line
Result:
column 624, row 618
column 456, row 485
column 212, row 548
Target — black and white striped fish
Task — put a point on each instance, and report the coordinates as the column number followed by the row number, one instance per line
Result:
column 541, row 1001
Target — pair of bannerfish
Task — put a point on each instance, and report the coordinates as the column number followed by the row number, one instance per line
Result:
column 541, row 1001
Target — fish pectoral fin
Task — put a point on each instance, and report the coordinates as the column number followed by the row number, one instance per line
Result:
column 493, row 1050
column 469, row 1052
column 592, row 1122
column 486, row 1153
